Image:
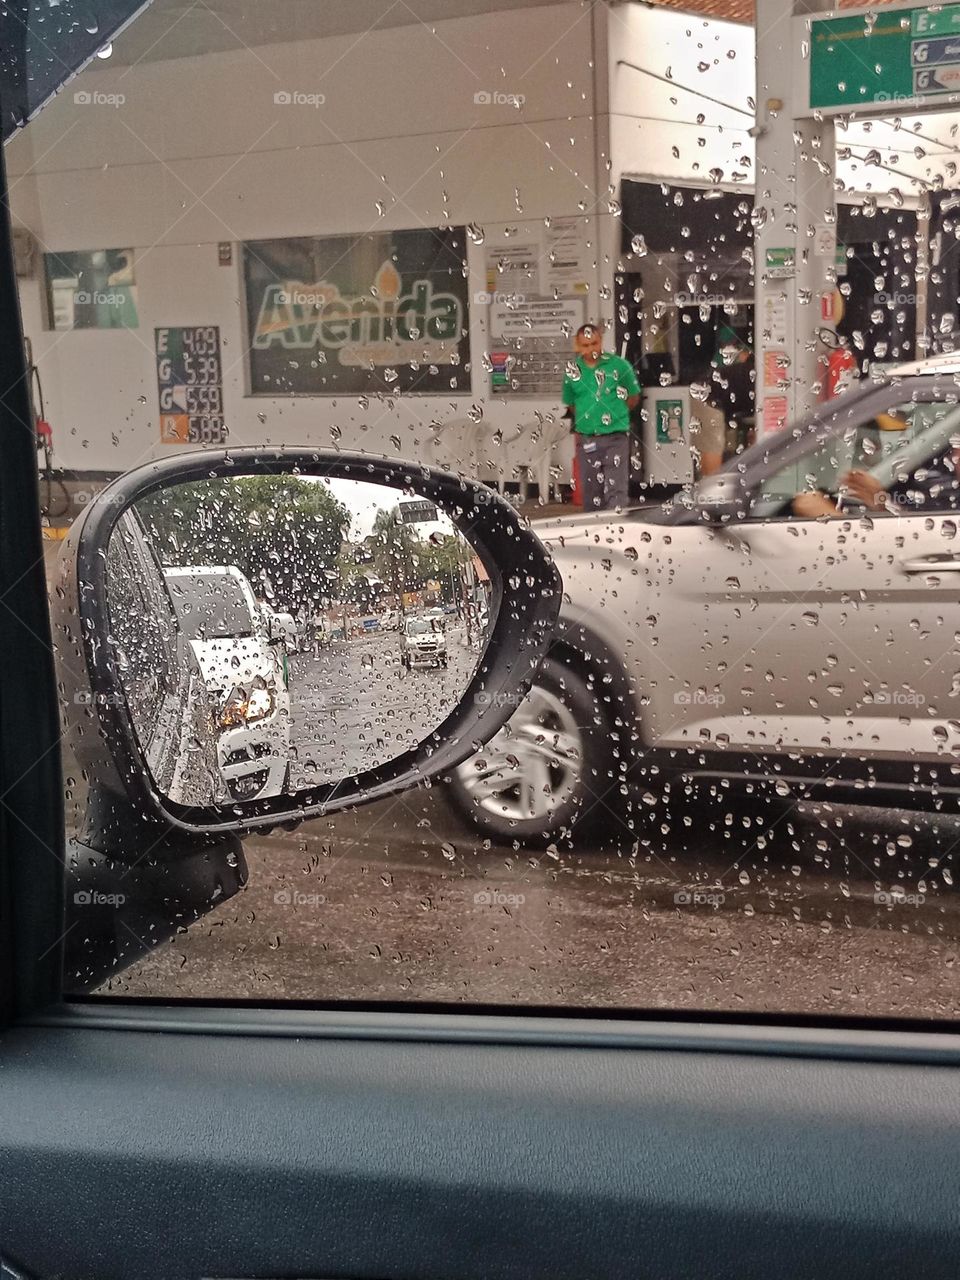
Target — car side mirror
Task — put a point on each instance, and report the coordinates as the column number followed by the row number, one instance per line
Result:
column 182, row 707
column 721, row 498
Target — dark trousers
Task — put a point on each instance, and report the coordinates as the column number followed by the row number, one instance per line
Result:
column 604, row 463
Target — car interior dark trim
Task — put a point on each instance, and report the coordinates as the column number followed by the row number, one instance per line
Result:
column 32, row 842
column 289, row 1156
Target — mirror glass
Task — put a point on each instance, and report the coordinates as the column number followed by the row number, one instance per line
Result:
column 274, row 634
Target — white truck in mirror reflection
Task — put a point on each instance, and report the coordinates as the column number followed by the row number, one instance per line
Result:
column 423, row 642
column 244, row 673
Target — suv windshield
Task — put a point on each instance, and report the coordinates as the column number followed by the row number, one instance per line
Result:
column 210, row 604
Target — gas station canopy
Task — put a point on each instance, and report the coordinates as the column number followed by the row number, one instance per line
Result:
column 43, row 43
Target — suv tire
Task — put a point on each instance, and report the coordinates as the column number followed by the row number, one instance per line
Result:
column 550, row 767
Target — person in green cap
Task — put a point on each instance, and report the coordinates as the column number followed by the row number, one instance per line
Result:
column 730, row 400
column 600, row 393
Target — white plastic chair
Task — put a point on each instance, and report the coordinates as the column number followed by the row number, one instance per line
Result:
column 484, row 451
column 529, row 452
column 457, row 446
column 553, row 433
column 507, row 455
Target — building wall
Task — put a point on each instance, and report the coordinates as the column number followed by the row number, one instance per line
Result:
column 654, row 128
column 684, row 120
column 198, row 152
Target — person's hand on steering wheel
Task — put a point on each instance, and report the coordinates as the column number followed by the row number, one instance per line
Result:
column 856, row 486
column 866, row 489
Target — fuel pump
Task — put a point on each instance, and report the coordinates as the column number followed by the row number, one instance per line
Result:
column 54, row 497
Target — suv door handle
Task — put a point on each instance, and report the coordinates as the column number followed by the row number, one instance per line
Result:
column 938, row 562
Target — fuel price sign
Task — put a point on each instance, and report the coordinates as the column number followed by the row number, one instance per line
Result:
column 190, row 385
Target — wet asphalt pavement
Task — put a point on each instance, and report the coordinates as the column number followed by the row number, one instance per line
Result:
column 354, row 705
column 380, row 904
column 779, row 912
column 400, row 901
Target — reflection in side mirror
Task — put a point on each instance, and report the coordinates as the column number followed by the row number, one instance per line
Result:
column 721, row 498
column 264, row 636
column 277, row 633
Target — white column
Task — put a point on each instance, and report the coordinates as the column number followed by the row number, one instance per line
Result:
column 795, row 219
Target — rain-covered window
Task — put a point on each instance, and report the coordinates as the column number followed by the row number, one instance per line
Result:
column 677, row 289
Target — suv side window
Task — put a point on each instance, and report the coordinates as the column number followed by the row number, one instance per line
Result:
column 142, row 623
column 905, row 453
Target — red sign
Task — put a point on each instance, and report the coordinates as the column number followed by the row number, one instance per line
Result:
column 774, row 413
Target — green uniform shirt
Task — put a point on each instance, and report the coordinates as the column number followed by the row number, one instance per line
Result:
column 599, row 395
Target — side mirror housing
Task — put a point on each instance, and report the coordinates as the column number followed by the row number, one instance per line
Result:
column 721, row 498
column 214, row 697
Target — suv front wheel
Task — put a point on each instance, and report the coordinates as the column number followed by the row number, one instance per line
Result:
column 548, row 768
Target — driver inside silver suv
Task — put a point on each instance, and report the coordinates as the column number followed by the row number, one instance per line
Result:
column 904, row 460
column 935, row 486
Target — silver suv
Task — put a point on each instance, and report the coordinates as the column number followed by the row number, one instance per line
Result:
column 793, row 621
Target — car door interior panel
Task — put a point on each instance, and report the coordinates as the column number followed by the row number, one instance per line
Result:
column 302, row 1154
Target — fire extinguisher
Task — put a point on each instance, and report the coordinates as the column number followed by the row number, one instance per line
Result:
column 842, row 372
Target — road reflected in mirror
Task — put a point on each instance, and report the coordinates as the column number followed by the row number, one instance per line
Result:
column 274, row 634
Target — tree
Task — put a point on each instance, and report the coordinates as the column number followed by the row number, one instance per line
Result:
column 284, row 533
column 360, row 585
column 443, row 559
column 395, row 549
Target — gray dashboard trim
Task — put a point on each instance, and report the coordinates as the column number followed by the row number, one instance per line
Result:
column 867, row 1044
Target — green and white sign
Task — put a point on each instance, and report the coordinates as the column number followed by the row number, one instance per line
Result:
column 937, row 21
column 669, row 421
column 878, row 57
column 780, row 263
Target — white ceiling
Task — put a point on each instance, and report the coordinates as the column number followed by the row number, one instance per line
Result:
column 183, row 28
